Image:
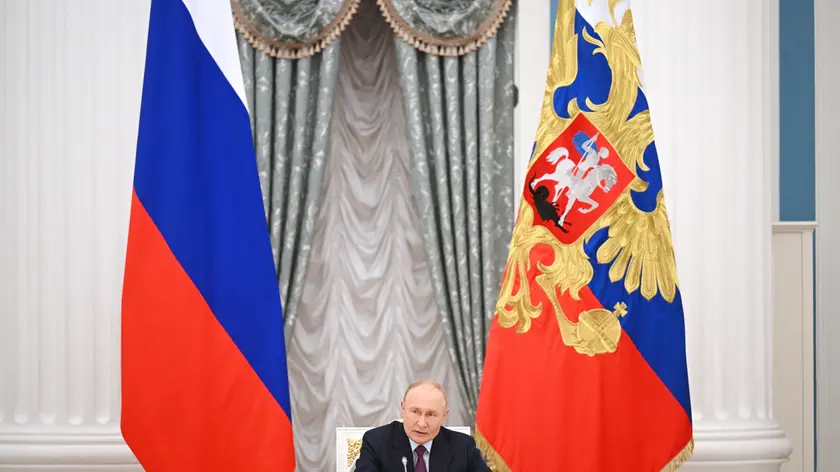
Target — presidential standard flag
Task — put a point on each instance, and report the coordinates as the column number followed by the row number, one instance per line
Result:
column 204, row 379
column 585, row 367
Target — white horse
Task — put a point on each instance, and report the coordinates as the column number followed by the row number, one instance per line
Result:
column 602, row 176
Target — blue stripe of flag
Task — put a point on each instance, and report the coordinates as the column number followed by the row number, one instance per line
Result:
column 196, row 175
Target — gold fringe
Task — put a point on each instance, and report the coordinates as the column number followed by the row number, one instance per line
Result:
column 680, row 458
column 274, row 48
column 497, row 464
column 491, row 457
column 445, row 47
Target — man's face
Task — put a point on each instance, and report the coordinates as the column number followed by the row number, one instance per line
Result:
column 423, row 411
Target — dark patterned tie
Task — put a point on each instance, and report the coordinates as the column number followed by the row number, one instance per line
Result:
column 421, row 462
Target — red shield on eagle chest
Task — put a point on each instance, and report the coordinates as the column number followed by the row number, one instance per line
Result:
column 575, row 180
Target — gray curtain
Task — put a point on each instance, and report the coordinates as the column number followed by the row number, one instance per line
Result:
column 459, row 112
column 291, row 110
column 368, row 324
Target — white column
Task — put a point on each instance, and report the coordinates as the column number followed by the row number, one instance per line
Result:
column 711, row 79
column 70, row 81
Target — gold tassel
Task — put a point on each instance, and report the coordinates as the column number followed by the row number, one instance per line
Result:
column 680, row 458
column 491, row 457
column 497, row 464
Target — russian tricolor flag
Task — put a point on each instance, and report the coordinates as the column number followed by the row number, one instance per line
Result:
column 204, row 377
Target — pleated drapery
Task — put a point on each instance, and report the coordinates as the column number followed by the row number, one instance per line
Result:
column 460, row 127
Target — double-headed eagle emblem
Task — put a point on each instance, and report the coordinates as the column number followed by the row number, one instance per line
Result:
column 584, row 177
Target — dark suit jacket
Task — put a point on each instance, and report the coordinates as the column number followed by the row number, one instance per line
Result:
column 384, row 447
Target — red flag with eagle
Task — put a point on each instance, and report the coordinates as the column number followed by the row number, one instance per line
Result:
column 586, row 367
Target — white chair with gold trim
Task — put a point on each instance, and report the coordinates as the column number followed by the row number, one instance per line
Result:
column 348, row 443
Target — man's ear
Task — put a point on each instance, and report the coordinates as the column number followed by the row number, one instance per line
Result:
column 402, row 405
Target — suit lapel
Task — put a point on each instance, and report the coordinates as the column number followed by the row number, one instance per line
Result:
column 439, row 457
column 401, row 447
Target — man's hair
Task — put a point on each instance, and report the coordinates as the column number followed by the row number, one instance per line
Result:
column 428, row 382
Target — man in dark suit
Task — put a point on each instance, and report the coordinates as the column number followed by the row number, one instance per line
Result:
column 419, row 443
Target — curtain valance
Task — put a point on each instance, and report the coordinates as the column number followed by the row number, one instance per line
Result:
column 294, row 29
column 445, row 27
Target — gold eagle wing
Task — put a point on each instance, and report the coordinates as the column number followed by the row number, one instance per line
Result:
column 640, row 248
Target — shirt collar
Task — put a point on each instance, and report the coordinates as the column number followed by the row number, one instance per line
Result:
column 427, row 445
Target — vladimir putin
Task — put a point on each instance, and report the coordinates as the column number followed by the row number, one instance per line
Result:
column 419, row 443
